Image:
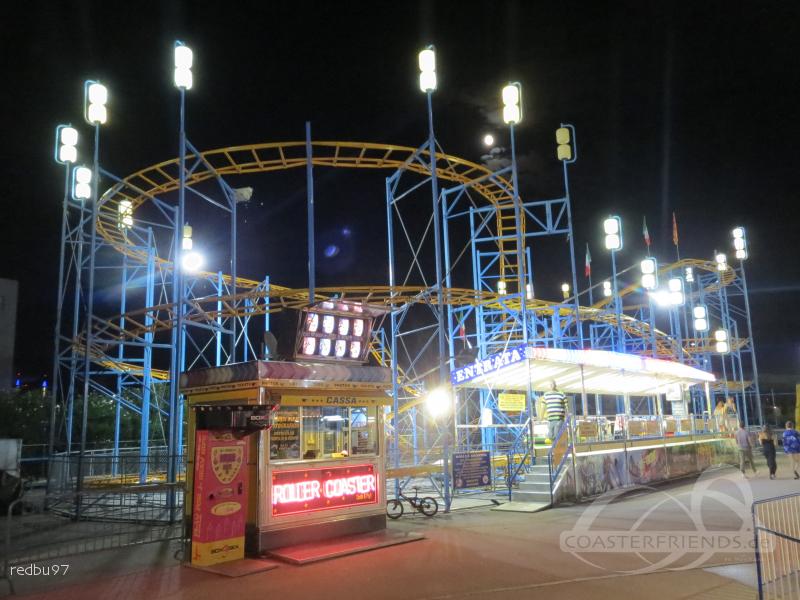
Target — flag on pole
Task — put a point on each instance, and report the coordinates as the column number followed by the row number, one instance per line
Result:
column 645, row 232
column 587, row 270
column 674, row 230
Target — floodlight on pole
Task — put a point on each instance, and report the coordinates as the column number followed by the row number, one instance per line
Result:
column 192, row 261
column 565, row 290
column 81, row 183
column 512, row 103
column 95, row 100
column 186, row 244
column 700, row 314
column 607, row 292
column 689, row 273
column 676, row 295
column 740, row 243
column 501, row 287
column 66, row 150
column 183, row 66
column 427, row 70
column 612, row 227
column 722, row 342
column 722, row 261
column 649, row 267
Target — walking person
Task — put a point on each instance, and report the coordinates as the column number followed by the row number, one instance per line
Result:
column 745, row 448
column 791, row 445
column 555, row 403
column 767, row 440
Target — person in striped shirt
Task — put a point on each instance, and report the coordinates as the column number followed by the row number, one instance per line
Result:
column 556, row 409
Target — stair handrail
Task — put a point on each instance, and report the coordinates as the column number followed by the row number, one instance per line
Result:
column 554, row 473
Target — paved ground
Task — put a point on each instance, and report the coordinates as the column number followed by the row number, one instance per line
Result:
column 477, row 553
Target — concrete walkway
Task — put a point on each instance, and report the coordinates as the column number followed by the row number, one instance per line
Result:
column 474, row 554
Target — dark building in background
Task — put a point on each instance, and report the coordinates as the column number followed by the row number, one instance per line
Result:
column 8, row 328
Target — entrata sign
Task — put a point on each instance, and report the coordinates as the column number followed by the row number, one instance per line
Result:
column 310, row 490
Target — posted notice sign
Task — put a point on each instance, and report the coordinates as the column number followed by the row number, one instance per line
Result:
column 511, row 402
column 472, row 470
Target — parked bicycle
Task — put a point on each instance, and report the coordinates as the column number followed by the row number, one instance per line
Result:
column 426, row 505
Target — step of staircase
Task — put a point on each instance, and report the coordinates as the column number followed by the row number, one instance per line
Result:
column 525, row 496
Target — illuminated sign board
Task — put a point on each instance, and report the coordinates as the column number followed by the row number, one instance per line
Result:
column 325, row 488
column 336, row 330
column 588, row 358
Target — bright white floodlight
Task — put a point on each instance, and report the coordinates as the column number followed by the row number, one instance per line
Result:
column 689, row 271
column 427, row 69
column 721, row 338
column 501, row 287
column 183, row 66
column 700, row 313
column 95, row 99
column 512, row 103
column 649, row 273
column 192, row 262
column 740, row 243
column 612, row 227
column 607, row 289
column 66, row 142
column 81, row 183
column 676, row 295
column 565, row 290
column 438, row 402
column 722, row 261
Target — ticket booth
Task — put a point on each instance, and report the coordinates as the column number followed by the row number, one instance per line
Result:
column 286, row 452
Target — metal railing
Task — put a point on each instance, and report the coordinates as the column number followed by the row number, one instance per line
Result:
column 558, row 453
column 776, row 530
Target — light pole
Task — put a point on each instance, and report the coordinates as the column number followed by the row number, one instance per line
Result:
column 612, row 227
column 740, row 247
column 96, row 114
column 649, row 268
column 183, row 80
column 512, row 116
column 66, row 153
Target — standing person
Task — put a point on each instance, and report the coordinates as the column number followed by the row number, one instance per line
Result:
column 768, row 448
column 745, row 449
column 791, row 445
column 556, row 408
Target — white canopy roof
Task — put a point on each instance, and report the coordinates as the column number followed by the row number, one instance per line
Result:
column 574, row 371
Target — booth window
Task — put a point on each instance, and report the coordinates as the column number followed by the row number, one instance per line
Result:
column 323, row 432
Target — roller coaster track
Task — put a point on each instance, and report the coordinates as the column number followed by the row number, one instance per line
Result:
column 150, row 183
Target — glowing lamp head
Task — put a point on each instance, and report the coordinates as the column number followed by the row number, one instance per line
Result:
column 427, row 69
column 512, row 103
column 81, row 183
column 722, row 261
column 607, row 289
column 565, row 288
column 611, row 226
column 648, row 266
column 501, row 287
column 183, row 66
column 438, row 402
column 699, row 312
column 192, row 262
column 721, row 335
column 738, row 233
column 96, row 97
column 68, row 136
column 689, row 272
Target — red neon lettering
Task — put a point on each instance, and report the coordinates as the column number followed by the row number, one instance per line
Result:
column 302, row 491
column 305, row 491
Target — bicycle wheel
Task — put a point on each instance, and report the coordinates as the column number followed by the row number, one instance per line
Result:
column 428, row 506
column 394, row 509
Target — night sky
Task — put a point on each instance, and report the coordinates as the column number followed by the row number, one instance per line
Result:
column 685, row 106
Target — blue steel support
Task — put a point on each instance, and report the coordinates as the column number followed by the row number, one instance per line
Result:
column 147, row 364
column 571, row 236
column 87, row 360
column 443, row 374
column 54, row 390
column 120, row 357
column 759, row 411
column 218, row 334
column 393, row 330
